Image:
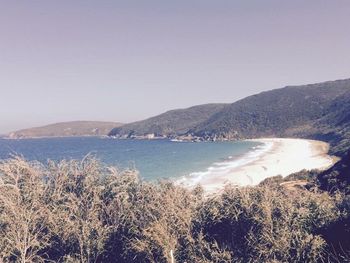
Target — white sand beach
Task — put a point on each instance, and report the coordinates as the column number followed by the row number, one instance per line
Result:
column 277, row 156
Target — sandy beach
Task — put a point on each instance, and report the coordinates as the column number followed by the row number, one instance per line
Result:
column 277, row 156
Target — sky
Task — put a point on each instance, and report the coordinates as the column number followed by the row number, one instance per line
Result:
column 128, row 60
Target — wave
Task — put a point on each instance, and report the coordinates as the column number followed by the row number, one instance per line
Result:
column 225, row 167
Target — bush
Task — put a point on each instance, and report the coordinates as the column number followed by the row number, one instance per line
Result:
column 259, row 224
column 81, row 211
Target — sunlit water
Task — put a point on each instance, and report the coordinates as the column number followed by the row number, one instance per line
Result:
column 155, row 159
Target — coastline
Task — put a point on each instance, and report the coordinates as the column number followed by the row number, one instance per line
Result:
column 276, row 156
column 51, row 137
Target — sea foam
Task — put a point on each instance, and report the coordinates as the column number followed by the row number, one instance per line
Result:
column 223, row 168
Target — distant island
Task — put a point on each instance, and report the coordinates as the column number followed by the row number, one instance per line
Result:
column 66, row 129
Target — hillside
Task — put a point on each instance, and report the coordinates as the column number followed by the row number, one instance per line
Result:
column 289, row 111
column 318, row 111
column 65, row 129
column 334, row 127
column 337, row 177
column 174, row 122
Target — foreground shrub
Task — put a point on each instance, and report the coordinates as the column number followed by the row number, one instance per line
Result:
column 81, row 211
column 259, row 224
column 25, row 221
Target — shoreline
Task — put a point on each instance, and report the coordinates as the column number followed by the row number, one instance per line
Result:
column 277, row 156
column 53, row 137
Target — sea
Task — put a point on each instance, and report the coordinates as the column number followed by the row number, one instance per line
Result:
column 154, row 159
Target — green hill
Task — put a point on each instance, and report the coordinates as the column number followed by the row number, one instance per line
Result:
column 317, row 111
column 174, row 122
column 289, row 111
column 65, row 129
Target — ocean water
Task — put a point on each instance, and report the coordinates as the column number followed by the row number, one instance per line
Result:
column 154, row 159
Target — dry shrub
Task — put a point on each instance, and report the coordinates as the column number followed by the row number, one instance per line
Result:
column 25, row 221
column 75, row 196
column 82, row 211
column 160, row 216
column 260, row 224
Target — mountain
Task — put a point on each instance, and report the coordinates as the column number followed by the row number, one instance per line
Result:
column 318, row 111
column 281, row 112
column 65, row 129
column 174, row 122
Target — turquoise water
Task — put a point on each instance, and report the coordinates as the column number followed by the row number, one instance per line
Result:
column 155, row 159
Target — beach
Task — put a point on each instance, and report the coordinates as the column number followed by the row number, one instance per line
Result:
column 275, row 156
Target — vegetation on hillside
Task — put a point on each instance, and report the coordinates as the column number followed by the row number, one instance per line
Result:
column 81, row 211
column 65, row 129
column 174, row 122
column 316, row 111
column 336, row 178
column 319, row 111
column 334, row 127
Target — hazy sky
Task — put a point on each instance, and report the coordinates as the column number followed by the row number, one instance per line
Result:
column 127, row 60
